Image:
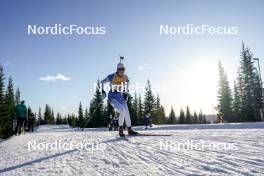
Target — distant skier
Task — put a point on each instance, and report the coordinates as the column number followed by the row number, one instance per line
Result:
column 114, row 122
column 148, row 120
column 21, row 114
column 111, row 124
column 118, row 96
column 31, row 121
column 116, row 125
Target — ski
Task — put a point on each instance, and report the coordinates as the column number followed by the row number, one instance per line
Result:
column 149, row 134
column 122, row 138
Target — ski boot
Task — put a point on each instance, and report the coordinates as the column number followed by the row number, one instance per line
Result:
column 131, row 132
column 121, row 133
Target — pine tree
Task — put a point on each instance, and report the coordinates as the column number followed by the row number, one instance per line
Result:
column 149, row 100
column 140, row 111
column 204, row 120
column 134, row 106
column 47, row 115
column 195, row 117
column 73, row 120
column 52, row 117
column 162, row 115
column 188, row 118
column 237, row 102
column 86, row 114
column 5, row 121
column 247, row 77
column 258, row 93
column 159, row 116
column 224, row 94
column 80, row 116
column 182, row 117
column 58, row 119
column 172, row 117
column 132, row 110
column 200, row 117
column 96, row 110
column 10, row 99
column 17, row 96
column 31, row 115
column 40, row 120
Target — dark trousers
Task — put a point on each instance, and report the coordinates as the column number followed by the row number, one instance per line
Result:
column 20, row 123
column 30, row 126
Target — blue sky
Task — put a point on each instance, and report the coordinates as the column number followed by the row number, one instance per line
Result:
column 188, row 63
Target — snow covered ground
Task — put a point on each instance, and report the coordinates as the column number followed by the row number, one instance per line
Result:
column 106, row 154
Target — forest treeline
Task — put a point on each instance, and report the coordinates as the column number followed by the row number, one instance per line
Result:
column 244, row 102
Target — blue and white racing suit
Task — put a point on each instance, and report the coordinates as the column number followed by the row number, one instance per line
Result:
column 118, row 85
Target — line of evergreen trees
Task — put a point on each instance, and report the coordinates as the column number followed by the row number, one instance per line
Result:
column 186, row 117
column 99, row 113
column 245, row 103
column 49, row 117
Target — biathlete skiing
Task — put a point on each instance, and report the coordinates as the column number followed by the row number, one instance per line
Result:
column 118, row 96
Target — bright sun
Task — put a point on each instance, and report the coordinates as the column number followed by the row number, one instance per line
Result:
column 196, row 86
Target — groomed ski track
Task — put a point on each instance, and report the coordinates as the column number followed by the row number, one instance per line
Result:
column 140, row 155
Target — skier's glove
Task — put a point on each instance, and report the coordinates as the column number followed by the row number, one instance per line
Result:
column 125, row 95
column 103, row 94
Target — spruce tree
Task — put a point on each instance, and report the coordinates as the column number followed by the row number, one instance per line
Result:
column 80, row 116
column 10, row 104
column 172, row 117
column 58, row 119
column 258, row 93
column 237, row 103
column 204, row 120
column 74, row 121
column 134, row 107
column 47, row 115
column 86, row 115
column 162, row 115
column 140, row 111
column 224, row 94
column 40, row 120
column 159, row 116
column 52, row 117
column 182, row 117
column 10, row 99
column 132, row 110
column 247, row 76
column 149, row 100
column 5, row 123
column 96, row 110
column 17, row 96
column 195, row 117
column 188, row 118
column 200, row 117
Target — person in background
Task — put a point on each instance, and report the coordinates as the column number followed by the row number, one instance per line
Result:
column 111, row 124
column 147, row 120
column 116, row 125
column 21, row 114
column 31, row 121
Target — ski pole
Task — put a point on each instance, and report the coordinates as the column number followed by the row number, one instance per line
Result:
column 88, row 120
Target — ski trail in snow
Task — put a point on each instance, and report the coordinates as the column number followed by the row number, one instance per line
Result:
column 140, row 155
